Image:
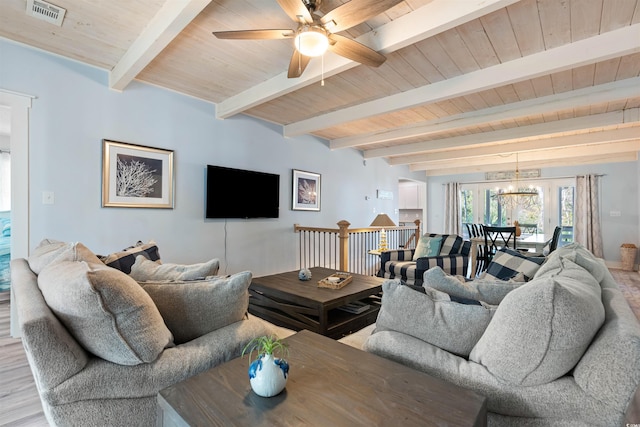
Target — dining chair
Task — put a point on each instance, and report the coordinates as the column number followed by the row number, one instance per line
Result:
column 529, row 228
column 476, row 233
column 474, row 230
column 553, row 243
column 496, row 238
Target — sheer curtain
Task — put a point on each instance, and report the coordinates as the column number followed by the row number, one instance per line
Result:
column 587, row 230
column 452, row 208
column 5, row 181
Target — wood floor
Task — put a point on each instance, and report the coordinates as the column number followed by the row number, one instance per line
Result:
column 20, row 404
column 19, row 400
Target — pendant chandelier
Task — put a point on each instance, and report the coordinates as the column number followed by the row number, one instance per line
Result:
column 517, row 196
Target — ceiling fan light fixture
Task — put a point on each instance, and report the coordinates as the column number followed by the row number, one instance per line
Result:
column 311, row 41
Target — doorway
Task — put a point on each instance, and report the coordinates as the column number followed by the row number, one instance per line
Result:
column 18, row 106
column 5, row 200
column 412, row 202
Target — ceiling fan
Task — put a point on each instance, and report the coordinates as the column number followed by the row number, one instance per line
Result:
column 315, row 34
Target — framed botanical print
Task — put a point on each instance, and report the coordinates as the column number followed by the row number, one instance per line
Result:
column 306, row 191
column 135, row 176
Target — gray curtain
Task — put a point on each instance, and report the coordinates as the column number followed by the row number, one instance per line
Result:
column 452, row 208
column 587, row 230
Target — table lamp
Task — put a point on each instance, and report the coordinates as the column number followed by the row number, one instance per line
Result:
column 382, row 220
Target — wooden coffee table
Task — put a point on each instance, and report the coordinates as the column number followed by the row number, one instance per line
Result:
column 287, row 301
column 330, row 384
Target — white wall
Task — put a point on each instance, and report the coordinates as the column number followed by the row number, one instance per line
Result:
column 74, row 110
column 619, row 192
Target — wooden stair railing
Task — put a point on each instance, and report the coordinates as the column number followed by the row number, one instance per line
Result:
column 348, row 249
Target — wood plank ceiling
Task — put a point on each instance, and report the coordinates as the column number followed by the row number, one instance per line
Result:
column 466, row 85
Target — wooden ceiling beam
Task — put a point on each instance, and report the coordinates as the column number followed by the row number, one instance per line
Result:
column 426, row 21
column 420, row 151
column 170, row 20
column 534, row 158
column 609, row 92
column 552, row 163
column 613, row 44
column 576, row 141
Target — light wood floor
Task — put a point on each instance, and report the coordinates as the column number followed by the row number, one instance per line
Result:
column 20, row 404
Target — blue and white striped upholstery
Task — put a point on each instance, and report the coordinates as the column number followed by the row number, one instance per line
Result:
column 453, row 259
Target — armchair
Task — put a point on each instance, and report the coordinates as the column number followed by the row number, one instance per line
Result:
column 453, row 258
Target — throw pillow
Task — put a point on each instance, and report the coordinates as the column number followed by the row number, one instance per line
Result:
column 124, row 259
column 106, row 311
column 491, row 291
column 194, row 308
column 144, row 269
column 50, row 251
column 427, row 247
column 507, row 263
column 451, row 245
column 432, row 317
column 541, row 330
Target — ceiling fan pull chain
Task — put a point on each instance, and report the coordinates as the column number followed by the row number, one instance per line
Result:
column 299, row 58
column 322, row 72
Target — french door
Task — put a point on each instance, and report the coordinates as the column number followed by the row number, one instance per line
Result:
column 554, row 207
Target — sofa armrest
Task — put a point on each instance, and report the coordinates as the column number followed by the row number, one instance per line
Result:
column 562, row 399
column 54, row 355
column 102, row 379
column 397, row 255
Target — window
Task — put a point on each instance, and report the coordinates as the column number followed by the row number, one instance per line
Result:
column 480, row 206
column 566, row 196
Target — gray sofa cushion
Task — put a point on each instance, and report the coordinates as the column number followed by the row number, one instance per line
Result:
column 491, row 291
column 194, row 308
column 144, row 270
column 431, row 317
column 106, row 311
column 578, row 254
column 541, row 330
column 50, row 251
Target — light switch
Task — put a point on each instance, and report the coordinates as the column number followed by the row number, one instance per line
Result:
column 47, row 197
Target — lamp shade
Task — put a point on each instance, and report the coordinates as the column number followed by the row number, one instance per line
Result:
column 312, row 41
column 382, row 220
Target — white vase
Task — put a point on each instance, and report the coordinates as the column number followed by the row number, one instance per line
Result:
column 268, row 375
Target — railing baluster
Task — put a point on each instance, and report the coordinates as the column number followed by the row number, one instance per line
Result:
column 348, row 249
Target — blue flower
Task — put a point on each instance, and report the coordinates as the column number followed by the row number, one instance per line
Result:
column 283, row 365
column 255, row 366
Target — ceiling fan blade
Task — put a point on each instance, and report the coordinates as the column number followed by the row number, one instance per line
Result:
column 297, row 65
column 355, row 12
column 296, row 10
column 355, row 51
column 255, row 34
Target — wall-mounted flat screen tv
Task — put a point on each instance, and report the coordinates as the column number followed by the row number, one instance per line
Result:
column 238, row 193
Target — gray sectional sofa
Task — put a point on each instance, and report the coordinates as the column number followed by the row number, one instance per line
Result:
column 560, row 350
column 96, row 341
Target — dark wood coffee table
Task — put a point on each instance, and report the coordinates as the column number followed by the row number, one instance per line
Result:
column 287, row 301
column 330, row 384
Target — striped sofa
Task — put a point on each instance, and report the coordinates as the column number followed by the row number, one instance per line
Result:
column 453, row 259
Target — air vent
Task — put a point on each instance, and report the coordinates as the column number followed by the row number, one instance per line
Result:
column 46, row 11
